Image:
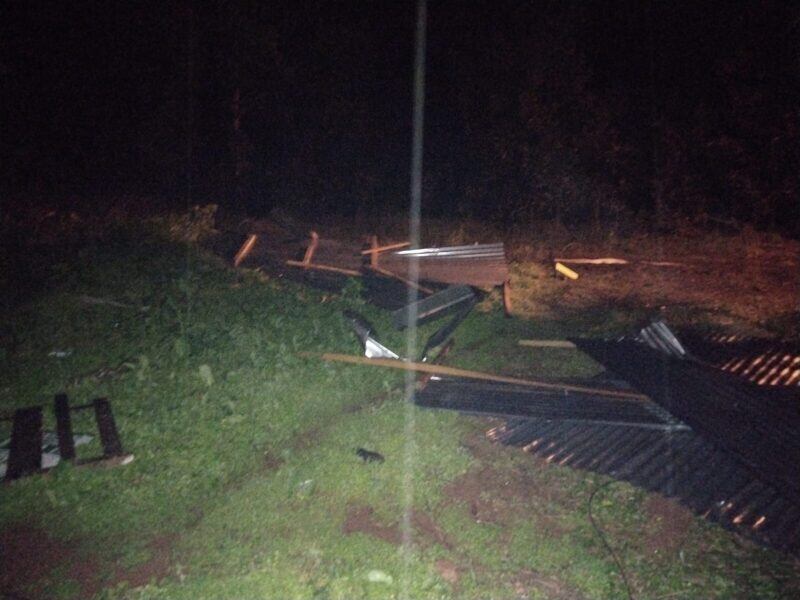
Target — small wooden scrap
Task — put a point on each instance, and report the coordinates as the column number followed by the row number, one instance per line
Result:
column 566, row 271
column 245, row 250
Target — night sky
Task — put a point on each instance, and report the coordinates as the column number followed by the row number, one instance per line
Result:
column 531, row 108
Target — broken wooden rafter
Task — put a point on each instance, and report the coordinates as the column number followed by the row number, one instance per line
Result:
column 309, row 255
column 469, row 374
column 246, row 248
column 616, row 261
column 378, row 249
column 547, row 344
column 343, row 271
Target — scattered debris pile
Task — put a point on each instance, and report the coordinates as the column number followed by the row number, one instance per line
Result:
column 707, row 435
column 709, row 420
column 388, row 271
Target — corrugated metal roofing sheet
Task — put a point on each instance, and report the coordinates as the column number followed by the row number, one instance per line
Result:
column 500, row 399
column 761, row 361
column 678, row 464
column 480, row 264
column 760, row 430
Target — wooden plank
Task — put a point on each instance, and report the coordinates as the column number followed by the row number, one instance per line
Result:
column 245, row 249
column 107, row 427
column 507, row 297
column 66, row 442
column 297, row 263
column 373, row 257
column 25, row 454
column 378, row 249
column 312, row 246
column 616, row 261
column 547, row 344
column 456, row 372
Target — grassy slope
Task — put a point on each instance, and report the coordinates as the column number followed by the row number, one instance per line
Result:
column 245, row 453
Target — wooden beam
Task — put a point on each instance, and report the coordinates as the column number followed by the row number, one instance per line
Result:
column 245, row 249
column 373, row 257
column 312, row 246
column 66, row 442
column 547, row 344
column 378, row 249
column 297, row 263
column 507, row 297
column 456, row 372
column 616, row 261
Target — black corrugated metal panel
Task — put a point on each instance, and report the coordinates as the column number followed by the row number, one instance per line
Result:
column 434, row 306
column 761, row 430
column 499, row 399
column 678, row 464
column 761, row 361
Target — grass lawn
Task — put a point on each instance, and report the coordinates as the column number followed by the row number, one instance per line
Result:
column 246, row 483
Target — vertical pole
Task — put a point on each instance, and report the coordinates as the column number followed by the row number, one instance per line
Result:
column 409, row 450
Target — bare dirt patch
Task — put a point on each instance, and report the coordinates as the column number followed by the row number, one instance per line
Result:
column 28, row 556
column 156, row 568
column 361, row 519
column 447, row 570
column 745, row 279
column 527, row 581
column 671, row 523
column 502, row 497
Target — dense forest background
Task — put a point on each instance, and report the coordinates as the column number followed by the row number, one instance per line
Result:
column 583, row 112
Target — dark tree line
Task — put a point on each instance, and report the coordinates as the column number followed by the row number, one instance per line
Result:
column 583, row 112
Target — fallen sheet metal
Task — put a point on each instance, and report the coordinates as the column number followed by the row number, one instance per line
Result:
column 435, row 306
column 758, row 360
column 659, row 336
column 676, row 463
column 759, row 429
column 505, row 400
column 481, row 265
column 364, row 332
column 725, row 448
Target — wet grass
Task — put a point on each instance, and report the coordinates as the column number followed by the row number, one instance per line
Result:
column 245, row 452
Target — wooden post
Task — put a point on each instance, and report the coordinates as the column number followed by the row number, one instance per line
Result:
column 507, row 297
column 373, row 257
column 312, row 246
